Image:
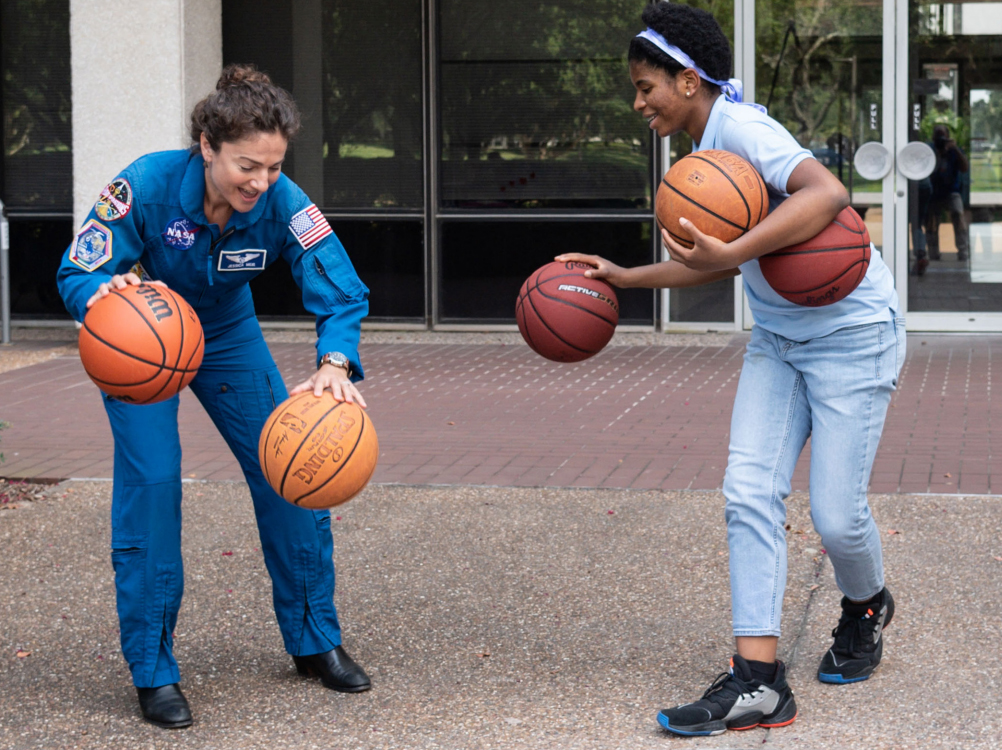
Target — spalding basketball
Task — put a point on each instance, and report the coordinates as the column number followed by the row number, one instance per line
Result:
column 318, row 452
column 565, row 316
column 719, row 192
column 823, row 269
column 141, row 344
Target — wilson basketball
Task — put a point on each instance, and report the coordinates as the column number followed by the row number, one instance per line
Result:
column 719, row 192
column 318, row 452
column 141, row 344
column 565, row 316
column 823, row 269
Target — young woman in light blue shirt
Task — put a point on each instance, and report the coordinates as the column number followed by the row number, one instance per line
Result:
column 821, row 372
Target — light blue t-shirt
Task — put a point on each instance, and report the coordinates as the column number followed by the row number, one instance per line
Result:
column 767, row 146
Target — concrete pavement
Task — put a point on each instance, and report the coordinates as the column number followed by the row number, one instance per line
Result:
column 497, row 618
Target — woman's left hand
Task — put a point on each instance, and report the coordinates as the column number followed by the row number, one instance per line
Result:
column 336, row 379
column 706, row 254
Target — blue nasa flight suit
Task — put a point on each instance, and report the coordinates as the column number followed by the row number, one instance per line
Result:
column 153, row 214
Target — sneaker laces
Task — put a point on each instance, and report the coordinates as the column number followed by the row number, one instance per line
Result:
column 854, row 635
column 725, row 689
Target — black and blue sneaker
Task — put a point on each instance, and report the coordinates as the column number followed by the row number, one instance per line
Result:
column 858, row 644
column 735, row 700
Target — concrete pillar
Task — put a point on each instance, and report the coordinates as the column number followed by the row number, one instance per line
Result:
column 137, row 72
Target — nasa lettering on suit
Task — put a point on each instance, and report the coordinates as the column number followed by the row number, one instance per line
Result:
column 151, row 219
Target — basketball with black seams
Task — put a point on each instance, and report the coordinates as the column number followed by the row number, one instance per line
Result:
column 719, row 192
column 565, row 316
column 318, row 452
column 141, row 344
column 824, row 269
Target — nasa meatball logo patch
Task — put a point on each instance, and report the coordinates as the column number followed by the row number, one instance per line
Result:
column 92, row 246
column 180, row 233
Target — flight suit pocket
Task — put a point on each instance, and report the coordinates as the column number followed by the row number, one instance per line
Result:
column 334, row 278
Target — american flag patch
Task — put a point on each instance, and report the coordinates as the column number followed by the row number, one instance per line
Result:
column 310, row 226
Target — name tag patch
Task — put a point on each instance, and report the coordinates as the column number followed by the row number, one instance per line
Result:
column 92, row 246
column 242, row 260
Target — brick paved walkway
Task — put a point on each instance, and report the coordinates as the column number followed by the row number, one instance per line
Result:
column 631, row 417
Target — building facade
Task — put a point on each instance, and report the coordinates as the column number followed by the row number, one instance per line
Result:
column 457, row 146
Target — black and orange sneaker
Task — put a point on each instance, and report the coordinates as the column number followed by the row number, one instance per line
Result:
column 735, row 700
column 858, row 644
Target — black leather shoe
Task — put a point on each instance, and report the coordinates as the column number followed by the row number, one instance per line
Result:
column 165, row 706
column 335, row 669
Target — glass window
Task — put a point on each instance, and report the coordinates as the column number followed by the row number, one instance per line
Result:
column 36, row 249
column 485, row 263
column 710, row 303
column 536, row 106
column 955, row 66
column 372, row 104
column 37, row 168
column 388, row 257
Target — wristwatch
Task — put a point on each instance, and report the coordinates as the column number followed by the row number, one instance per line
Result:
column 337, row 359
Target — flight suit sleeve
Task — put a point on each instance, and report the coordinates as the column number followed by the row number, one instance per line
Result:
column 109, row 242
column 331, row 289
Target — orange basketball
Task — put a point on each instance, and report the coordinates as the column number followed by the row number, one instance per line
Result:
column 824, row 269
column 141, row 344
column 719, row 192
column 318, row 452
column 564, row 315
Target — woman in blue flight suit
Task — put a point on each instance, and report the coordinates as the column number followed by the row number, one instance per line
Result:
column 205, row 221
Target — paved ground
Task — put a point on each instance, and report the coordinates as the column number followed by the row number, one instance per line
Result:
column 493, row 615
column 497, row 618
column 635, row 416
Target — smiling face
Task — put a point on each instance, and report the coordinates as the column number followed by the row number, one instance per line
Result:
column 667, row 102
column 240, row 172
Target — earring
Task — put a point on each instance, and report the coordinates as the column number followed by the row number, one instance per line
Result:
column 688, row 93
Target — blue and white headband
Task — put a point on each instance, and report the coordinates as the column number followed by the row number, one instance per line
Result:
column 732, row 87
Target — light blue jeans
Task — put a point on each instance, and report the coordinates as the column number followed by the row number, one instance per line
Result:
column 835, row 390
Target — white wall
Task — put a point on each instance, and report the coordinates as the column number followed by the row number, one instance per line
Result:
column 138, row 69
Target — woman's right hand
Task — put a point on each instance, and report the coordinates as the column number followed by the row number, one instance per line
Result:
column 603, row 269
column 118, row 281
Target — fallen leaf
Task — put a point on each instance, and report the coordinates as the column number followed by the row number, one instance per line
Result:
column 450, row 423
column 815, row 587
column 893, row 531
column 948, row 475
column 22, row 654
column 611, row 512
column 997, row 557
column 227, row 554
column 192, row 476
column 484, row 655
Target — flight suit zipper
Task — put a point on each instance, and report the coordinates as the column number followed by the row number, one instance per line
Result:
column 211, row 255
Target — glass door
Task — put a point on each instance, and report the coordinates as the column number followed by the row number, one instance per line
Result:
column 950, row 98
column 824, row 69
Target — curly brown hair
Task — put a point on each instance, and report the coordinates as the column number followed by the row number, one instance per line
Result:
column 245, row 102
